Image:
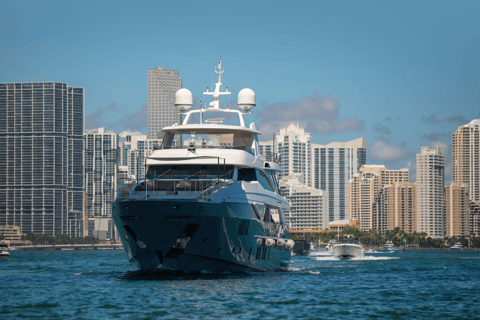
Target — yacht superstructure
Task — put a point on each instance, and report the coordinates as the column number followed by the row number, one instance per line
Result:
column 209, row 200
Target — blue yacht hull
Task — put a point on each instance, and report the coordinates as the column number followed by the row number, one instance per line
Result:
column 196, row 236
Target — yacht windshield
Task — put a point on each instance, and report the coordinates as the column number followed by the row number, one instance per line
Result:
column 214, row 117
column 189, row 172
column 217, row 140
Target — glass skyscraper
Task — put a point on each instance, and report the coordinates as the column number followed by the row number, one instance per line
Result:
column 41, row 157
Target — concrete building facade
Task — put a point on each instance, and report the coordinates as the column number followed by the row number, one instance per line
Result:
column 101, row 170
column 457, row 207
column 138, row 150
column 364, row 194
column 308, row 205
column 466, row 158
column 162, row 85
column 398, row 207
column 41, row 157
column 430, row 192
column 333, row 165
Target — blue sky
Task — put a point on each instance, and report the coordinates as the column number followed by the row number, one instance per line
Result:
column 401, row 74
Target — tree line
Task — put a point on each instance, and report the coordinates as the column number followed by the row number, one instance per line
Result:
column 44, row 239
column 377, row 238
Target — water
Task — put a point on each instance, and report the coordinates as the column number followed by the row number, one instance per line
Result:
column 100, row 285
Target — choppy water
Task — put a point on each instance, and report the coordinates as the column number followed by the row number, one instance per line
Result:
column 100, row 285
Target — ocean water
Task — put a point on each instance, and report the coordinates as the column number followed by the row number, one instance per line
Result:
column 101, row 285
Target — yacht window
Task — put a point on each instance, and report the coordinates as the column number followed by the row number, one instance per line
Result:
column 190, row 171
column 214, row 117
column 246, row 175
column 260, row 210
column 264, row 181
column 211, row 140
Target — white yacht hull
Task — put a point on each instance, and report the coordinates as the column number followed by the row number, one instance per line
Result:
column 348, row 251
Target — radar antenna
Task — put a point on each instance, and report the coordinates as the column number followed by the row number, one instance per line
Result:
column 216, row 94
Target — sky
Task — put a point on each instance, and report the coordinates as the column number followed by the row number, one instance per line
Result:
column 401, row 74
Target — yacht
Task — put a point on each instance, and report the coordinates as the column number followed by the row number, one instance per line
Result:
column 457, row 246
column 348, row 249
column 389, row 246
column 210, row 200
column 4, row 254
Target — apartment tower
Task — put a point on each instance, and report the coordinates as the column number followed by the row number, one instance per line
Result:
column 162, row 85
column 308, row 206
column 430, row 192
column 364, row 194
column 101, row 169
column 332, row 166
column 41, row 157
column 457, row 206
column 398, row 207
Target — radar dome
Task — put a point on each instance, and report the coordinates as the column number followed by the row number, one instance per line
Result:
column 183, row 99
column 246, row 99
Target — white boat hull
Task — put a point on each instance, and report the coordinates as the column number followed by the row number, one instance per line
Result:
column 348, row 251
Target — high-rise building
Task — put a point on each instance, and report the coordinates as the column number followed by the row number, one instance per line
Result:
column 41, row 157
column 457, row 206
column 308, row 206
column 162, row 85
column 474, row 218
column 430, row 192
column 397, row 207
column 325, row 167
column 138, row 150
column 466, row 157
column 292, row 143
column 364, row 194
column 332, row 166
column 101, row 169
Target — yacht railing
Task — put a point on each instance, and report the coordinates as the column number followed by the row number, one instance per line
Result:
column 193, row 186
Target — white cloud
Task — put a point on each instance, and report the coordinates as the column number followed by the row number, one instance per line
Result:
column 317, row 114
column 389, row 152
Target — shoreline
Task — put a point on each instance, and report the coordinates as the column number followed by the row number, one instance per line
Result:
column 68, row 247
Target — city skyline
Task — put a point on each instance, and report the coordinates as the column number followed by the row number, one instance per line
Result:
column 360, row 71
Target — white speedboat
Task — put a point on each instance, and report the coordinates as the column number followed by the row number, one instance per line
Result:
column 457, row 246
column 348, row 249
column 210, row 200
column 4, row 254
column 389, row 246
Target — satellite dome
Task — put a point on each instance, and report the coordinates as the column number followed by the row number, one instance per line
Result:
column 246, row 99
column 183, row 99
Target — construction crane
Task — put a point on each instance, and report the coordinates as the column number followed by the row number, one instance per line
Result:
column 85, row 213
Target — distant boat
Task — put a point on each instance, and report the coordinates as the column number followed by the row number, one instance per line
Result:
column 301, row 248
column 4, row 254
column 457, row 246
column 389, row 246
column 348, row 249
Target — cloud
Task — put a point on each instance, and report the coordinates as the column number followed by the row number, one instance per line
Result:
column 100, row 116
column 386, row 151
column 458, row 119
column 433, row 136
column 381, row 129
column 103, row 117
column 317, row 114
column 433, row 119
column 126, row 133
